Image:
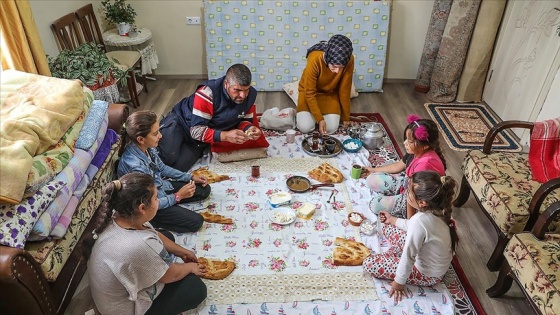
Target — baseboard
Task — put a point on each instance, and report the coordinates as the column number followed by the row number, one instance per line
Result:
column 181, row 76
column 390, row 80
column 205, row 77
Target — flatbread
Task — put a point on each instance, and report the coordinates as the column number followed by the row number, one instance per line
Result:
column 211, row 177
column 215, row 218
column 326, row 173
column 216, row 269
column 349, row 253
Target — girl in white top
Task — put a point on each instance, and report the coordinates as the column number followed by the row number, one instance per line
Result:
column 131, row 266
column 422, row 247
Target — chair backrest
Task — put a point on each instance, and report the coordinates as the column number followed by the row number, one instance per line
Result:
column 67, row 32
column 89, row 26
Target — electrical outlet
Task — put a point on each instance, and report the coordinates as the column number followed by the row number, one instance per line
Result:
column 193, row 20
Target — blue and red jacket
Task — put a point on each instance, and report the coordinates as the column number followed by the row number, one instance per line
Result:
column 210, row 110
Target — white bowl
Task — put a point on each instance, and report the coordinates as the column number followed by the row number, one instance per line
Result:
column 279, row 198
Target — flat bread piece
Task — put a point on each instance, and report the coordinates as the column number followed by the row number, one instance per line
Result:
column 215, row 218
column 326, row 173
column 216, row 269
column 349, row 253
column 211, row 177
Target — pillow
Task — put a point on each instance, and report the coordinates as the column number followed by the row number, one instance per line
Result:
column 16, row 221
column 292, row 90
column 225, row 146
column 240, row 155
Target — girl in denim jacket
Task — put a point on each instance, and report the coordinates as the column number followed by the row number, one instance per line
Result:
column 140, row 155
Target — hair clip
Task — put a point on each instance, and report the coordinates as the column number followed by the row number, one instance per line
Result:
column 421, row 133
column 117, row 184
column 443, row 179
column 412, row 118
column 95, row 235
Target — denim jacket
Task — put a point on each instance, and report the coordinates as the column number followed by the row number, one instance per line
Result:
column 134, row 160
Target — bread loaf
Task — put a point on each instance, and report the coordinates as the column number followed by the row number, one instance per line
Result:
column 216, row 269
column 326, row 173
column 349, row 253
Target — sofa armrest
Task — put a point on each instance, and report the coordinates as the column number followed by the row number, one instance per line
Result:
column 508, row 124
column 538, row 199
column 550, row 214
column 23, row 287
column 118, row 113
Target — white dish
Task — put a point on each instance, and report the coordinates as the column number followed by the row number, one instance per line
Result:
column 282, row 216
column 279, row 198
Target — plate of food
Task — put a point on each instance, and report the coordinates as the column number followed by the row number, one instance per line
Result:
column 282, row 216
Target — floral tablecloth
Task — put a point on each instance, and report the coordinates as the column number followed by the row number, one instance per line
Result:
column 273, row 259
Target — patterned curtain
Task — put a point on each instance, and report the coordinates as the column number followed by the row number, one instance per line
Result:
column 450, row 42
column 21, row 47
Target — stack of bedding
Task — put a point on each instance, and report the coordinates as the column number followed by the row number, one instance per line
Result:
column 53, row 140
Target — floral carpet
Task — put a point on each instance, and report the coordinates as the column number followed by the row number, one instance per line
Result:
column 273, row 260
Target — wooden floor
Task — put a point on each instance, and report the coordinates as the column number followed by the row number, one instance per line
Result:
column 477, row 236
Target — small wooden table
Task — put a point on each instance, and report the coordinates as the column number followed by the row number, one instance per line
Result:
column 141, row 42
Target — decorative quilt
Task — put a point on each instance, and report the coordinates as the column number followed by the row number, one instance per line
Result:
column 272, row 37
column 32, row 120
column 71, row 175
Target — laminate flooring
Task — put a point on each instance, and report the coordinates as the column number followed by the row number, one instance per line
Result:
column 477, row 235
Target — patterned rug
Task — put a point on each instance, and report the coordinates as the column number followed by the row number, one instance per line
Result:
column 454, row 296
column 465, row 126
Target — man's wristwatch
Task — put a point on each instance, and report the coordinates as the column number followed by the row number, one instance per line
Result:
column 177, row 198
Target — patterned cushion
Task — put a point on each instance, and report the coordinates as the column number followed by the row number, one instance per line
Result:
column 52, row 255
column 503, row 183
column 536, row 265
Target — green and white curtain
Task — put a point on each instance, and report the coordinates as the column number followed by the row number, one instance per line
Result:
column 272, row 37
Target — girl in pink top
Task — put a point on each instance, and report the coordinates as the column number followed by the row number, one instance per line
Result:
column 389, row 182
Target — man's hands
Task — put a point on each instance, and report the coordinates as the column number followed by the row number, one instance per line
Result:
column 253, row 133
column 238, row 136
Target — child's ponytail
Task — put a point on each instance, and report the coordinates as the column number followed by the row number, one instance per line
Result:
column 438, row 192
column 124, row 195
column 448, row 192
column 103, row 220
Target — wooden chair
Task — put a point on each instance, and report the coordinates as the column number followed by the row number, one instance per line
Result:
column 531, row 259
column 503, row 186
column 67, row 32
column 129, row 60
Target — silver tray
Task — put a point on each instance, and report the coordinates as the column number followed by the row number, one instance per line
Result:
column 322, row 152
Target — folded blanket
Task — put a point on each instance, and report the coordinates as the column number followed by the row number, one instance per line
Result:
column 35, row 113
column 93, row 121
column 64, row 221
column 72, row 175
column 16, row 221
column 544, row 150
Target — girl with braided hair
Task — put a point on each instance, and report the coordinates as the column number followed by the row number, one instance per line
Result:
column 423, row 152
column 131, row 265
column 422, row 247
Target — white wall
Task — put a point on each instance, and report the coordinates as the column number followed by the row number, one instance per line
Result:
column 180, row 47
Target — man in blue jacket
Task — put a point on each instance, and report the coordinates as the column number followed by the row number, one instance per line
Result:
column 220, row 110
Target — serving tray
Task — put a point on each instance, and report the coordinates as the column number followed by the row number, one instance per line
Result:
column 306, row 145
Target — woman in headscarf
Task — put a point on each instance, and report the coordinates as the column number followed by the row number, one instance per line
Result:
column 324, row 88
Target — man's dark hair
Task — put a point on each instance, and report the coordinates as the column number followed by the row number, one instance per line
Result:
column 238, row 74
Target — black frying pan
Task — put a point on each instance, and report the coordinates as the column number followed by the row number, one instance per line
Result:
column 301, row 184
